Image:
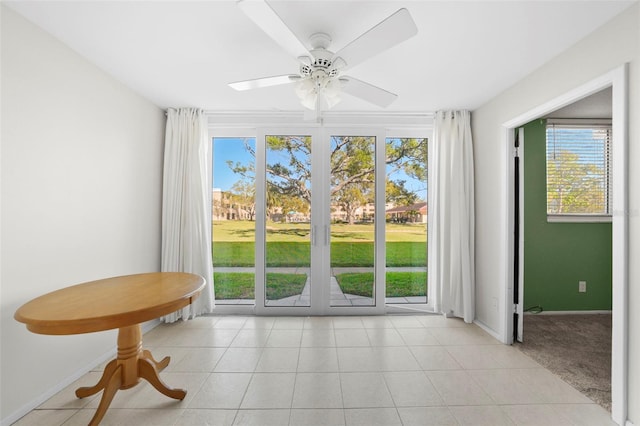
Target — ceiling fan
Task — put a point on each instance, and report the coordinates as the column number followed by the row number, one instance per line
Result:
column 319, row 81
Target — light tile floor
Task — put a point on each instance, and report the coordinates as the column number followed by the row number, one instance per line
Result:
column 391, row 370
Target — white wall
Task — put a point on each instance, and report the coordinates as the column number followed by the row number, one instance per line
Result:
column 81, row 171
column 607, row 48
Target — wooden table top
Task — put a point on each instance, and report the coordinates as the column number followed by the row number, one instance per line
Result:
column 110, row 303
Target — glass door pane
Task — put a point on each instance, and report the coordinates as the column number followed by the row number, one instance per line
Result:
column 288, row 221
column 406, row 220
column 233, row 220
column 352, row 236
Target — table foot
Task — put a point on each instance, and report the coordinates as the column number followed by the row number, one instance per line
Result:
column 147, row 370
column 114, row 383
column 107, row 375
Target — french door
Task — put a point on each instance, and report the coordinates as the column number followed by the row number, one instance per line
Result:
column 316, row 225
column 319, row 221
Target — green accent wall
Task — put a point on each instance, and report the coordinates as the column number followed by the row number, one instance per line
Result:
column 558, row 255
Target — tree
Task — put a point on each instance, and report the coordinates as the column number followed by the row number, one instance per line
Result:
column 352, row 165
column 410, row 155
column 293, row 178
column 574, row 186
column 351, row 198
column 243, row 193
column 398, row 194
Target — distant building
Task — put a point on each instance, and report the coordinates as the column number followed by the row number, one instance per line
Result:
column 224, row 207
column 414, row 213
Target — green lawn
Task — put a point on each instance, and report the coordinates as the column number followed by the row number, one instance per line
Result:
column 240, row 285
column 398, row 284
column 237, row 254
column 288, row 245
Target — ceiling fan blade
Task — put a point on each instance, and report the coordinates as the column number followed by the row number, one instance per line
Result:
column 393, row 30
column 264, row 82
column 268, row 20
column 367, row 92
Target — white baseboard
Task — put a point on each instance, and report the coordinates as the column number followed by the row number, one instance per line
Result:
column 39, row 400
column 569, row 313
column 628, row 423
column 489, row 330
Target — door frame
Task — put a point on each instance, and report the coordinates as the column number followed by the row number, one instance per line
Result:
column 249, row 124
column 320, row 293
column 618, row 80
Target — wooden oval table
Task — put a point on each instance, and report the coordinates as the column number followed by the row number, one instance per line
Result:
column 123, row 303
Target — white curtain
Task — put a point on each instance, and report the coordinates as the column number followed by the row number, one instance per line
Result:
column 451, row 216
column 186, row 205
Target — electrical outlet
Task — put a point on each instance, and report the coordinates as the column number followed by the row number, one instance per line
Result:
column 582, row 286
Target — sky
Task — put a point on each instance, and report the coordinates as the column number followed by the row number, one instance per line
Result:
column 229, row 149
column 233, row 149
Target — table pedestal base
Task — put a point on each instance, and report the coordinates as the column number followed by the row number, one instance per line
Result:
column 124, row 372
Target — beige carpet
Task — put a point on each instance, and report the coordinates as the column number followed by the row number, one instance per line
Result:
column 576, row 348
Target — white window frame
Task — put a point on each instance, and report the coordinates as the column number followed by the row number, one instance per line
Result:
column 586, row 217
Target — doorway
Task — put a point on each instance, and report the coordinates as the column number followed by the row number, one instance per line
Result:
column 567, row 239
column 617, row 80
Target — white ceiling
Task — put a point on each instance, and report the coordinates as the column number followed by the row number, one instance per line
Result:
column 182, row 53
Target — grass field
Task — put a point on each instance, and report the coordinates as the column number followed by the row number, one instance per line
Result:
column 398, row 284
column 244, row 230
column 232, row 254
column 240, row 285
column 288, row 245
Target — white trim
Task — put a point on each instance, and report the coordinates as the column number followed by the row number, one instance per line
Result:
column 620, row 246
column 252, row 119
column 617, row 79
column 578, row 218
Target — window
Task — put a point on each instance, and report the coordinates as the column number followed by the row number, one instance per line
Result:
column 578, row 171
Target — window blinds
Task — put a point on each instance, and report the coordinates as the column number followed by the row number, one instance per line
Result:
column 578, row 169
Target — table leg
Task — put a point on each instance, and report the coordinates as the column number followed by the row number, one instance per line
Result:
column 160, row 365
column 148, row 371
column 109, row 371
column 107, row 396
column 124, row 372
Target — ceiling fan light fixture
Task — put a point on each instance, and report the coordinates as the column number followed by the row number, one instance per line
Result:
column 319, row 87
column 306, row 91
column 331, row 92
